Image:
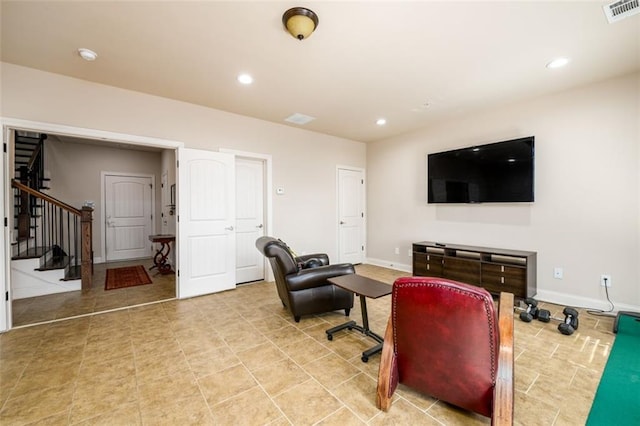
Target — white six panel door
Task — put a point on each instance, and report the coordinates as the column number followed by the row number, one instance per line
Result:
column 206, row 222
column 351, row 215
column 128, row 201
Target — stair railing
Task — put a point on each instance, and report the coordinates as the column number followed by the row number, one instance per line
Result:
column 56, row 228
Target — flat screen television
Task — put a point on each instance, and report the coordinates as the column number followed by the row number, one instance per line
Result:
column 500, row 172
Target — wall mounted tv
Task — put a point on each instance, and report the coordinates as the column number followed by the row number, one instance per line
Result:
column 500, row 172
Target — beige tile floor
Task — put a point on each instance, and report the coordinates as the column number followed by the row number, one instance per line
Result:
column 33, row 310
column 238, row 358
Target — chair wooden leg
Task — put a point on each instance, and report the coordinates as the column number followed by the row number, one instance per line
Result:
column 384, row 393
column 296, row 318
column 346, row 312
column 503, row 397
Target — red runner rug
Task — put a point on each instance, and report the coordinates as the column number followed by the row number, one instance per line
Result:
column 129, row 276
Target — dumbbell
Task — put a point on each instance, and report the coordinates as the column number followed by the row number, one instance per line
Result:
column 567, row 325
column 570, row 323
column 531, row 311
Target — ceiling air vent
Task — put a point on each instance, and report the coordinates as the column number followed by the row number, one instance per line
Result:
column 621, row 9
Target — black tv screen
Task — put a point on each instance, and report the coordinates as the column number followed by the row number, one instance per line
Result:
column 500, row 172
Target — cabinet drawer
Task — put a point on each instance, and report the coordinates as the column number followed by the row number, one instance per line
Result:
column 466, row 271
column 419, row 257
column 434, row 265
column 419, row 263
column 420, row 269
column 498, row 278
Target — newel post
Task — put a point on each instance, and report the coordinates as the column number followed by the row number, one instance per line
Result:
column 86, row 239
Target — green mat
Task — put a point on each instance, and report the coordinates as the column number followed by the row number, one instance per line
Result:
column 617, row 401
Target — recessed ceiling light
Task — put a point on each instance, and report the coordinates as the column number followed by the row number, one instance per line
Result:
column 558, row 63
column 87, row 54
column 381, row 121
column 245, row 79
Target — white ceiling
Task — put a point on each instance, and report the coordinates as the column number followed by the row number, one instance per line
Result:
column 366, row 60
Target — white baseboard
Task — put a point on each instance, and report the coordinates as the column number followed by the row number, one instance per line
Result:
column 562, row 299
column 391, row 265
column 565, row 299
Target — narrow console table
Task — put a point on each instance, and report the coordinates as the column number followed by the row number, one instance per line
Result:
column 162, row 254
column 496, row 270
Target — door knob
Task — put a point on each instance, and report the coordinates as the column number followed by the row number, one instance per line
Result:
column 259, row 226
column 342, row 222
column 229, row 228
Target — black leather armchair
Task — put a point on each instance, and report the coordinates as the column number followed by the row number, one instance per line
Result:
column 302, row 281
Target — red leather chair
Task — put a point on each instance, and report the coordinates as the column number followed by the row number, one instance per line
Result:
column 445, row 340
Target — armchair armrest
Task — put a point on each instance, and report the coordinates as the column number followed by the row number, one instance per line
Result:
column 317, row 277
column 503, row 391
column 322, row 257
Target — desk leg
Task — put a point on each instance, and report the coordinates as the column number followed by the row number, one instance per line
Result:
column 364, row 329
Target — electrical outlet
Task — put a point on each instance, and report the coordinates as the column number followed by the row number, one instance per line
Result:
column 605, row 280
column 396, row 250
column 558, row 273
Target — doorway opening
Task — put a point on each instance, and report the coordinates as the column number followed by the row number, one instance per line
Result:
column 92, row 149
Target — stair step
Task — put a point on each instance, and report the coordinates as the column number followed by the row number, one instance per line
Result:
column 31, row 253
column 58, row 262
column 72, row 273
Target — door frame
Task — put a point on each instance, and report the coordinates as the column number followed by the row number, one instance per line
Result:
column 364, row 208
column 10, row 124
column 103, row 209
column 268, row 194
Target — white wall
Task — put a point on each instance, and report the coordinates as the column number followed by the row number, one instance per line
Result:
column 586, row 215
column 168, row 213
column 304, row 162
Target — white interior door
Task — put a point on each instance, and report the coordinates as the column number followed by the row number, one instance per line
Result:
column 206, row 222
column 128, row 216
column 351, row 215
column 249, row 219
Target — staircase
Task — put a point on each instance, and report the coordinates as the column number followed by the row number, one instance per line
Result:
column 51, row 248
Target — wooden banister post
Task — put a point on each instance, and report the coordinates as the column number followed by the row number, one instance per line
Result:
column 86, row 256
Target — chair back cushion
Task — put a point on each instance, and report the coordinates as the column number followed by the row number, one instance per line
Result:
column 446, row 340
column 279, row 255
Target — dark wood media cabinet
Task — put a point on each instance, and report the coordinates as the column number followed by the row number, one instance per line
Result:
column 496, row 270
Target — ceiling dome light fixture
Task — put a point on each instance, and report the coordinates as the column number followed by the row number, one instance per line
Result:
column 381, row 121
column 300, row 22
column 87, row 54
column 558, row 63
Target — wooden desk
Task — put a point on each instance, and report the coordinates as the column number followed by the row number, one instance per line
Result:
column 363, row 287
column 160, row 259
